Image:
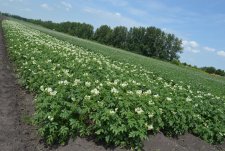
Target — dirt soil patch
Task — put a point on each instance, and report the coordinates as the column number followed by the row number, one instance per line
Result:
column 16, row 134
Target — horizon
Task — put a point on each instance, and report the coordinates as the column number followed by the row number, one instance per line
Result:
column 200, row 28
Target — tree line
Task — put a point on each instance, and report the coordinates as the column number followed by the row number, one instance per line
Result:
column 212, row 70
column 147, row 41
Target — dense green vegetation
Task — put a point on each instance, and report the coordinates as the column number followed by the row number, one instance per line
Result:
column 150, row 41
column 83, row 92
column 210, row 70
column 194, row 77
column 213, row 70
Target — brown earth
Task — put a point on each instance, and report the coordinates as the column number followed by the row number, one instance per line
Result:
column 16, row 134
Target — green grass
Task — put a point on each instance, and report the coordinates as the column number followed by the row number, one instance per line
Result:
column 196, row 78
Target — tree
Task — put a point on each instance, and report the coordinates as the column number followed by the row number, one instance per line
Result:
column 135, row 39
column 173, row 46
column 119, row 36
column 153, row 42
column 103, row 34
column 209, row 69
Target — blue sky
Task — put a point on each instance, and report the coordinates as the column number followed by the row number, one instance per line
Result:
column 199, row 23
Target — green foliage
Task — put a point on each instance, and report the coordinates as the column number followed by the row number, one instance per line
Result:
column 213, row 70
column 103, row 34
column 135, row 39
column 150, row 41
column 176, row 62
column 84, row 93
column 119, row 37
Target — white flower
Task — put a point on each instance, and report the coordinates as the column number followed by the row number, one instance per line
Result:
column 76, row 81
column 150, row 102
column 138, row 92
column 50, row 118
column 196, row 105
column 112, row 112
column 42, row 88
column 85, row 74
column 87, row 84
column 95, row 91
column 53, row 93
column 217, row 97
column 134, row 82
column 159, row 78
column 48, row 89
column 180, row 87
column 160, row 110
column 156, row 96
column 168, row 99
column 148, row 92
column 130, row 92
column 34, row 62
column 116, row 81
column 66, row 72
column 87, row 97
column 65, row 82
column 60, row 82
column 209, row 94
column 150, row 127
column 138, row 110
column 48, row 61
column 188, row 99
column 150, row 115
column 114, row 90
column 124, row 84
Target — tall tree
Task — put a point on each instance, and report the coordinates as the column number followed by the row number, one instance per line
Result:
column 135, row 39
column 153, row 42
column 103, row 34
column 119, row 37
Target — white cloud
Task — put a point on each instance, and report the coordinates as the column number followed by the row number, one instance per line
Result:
column 15, row 0
column 67, row 5
column 25, row 9
column 120, row 3
column 46, row 6
column 125, row 5
column 191, row 46
column 221, row 53
column 135, row 11
column 209, row 49
column 111, row 18
column 117, row 14
column 194, row 47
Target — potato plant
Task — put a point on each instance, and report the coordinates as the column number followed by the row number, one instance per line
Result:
column 82, row 93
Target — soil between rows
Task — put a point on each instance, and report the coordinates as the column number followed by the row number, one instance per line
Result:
column 16, row 134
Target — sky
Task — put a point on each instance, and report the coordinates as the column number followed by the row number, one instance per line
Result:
column 199, row 23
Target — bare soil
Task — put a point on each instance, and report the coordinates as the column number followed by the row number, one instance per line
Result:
column 16, row 134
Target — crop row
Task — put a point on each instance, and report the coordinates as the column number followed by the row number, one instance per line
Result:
column 84, row 93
